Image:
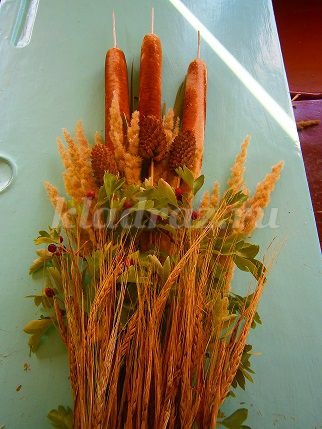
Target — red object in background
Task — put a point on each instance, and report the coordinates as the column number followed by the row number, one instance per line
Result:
column 299, row 24
column 311, row 144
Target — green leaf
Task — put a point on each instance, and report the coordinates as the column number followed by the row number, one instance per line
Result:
column 130, row 276
column 255, row 267
column 240, row 379
column 178, row 104
column 198, row 184
column 44, row 234
column 112, row 184
column 39, row 326
column 235, row 420
column 36, row 265
column 102, row 198
column 141, row 205
column 167, row 192
column 43, row 240
column 34, row 342
column 246, row 250
column 62, row 418
column 162, row 195
column 235, row 198
column 256, row 320
column 186, row 175
column 158, row 212
column 55, row 278
column 37, row 299
column 44, row 255
column 248, row 376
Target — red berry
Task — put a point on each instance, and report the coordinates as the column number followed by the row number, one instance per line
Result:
column 195, row 215
column 52, row 248
column 179, row 193
column 61, row 239
column 90, row 195
column 49, row 292
column 127, row 204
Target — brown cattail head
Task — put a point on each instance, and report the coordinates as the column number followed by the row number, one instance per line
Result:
column 183, row 151
column 153, row 140
column 102, row 161
column 116, row 81
column 150, row 81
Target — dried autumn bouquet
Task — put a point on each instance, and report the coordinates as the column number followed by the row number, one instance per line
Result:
column 139, row 273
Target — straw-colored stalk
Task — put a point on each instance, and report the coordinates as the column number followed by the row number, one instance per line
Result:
column 167, row 360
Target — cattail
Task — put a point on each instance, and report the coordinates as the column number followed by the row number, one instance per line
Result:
column 102, row 161
column 153, row 142
column 183, row 151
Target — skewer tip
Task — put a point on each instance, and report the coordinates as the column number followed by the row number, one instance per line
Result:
column 114, row 29
column 198, row 51
column 152, row 20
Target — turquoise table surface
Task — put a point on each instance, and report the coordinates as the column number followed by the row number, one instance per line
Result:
column 51, row 74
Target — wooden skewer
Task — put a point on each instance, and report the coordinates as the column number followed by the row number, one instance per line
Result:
column 152, row 171
column 198, row 51
column 152, row 20
column 114, row 29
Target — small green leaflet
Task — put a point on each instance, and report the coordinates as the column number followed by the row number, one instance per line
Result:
column 235, row 420
column 62, row 418
column 37, row 328
column 178, row 104
column 198, row 184
column 255, row 267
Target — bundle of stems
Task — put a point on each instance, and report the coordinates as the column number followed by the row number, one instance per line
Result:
column 160, row 349
column 155, row 335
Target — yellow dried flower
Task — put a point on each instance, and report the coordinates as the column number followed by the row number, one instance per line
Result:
column 215, row 195
column 133, row 133
column 63, row 153
column 85, row 150
column 132, row 171
column 168, row 126
column 116, row 132
column 59, row 204
column 76, row 157
column 254, row 208
column 236, row 181
column 205, row 202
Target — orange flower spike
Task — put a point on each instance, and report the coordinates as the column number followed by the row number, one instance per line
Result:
column 150, row 84
column 116, row 81
column 194, row 107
